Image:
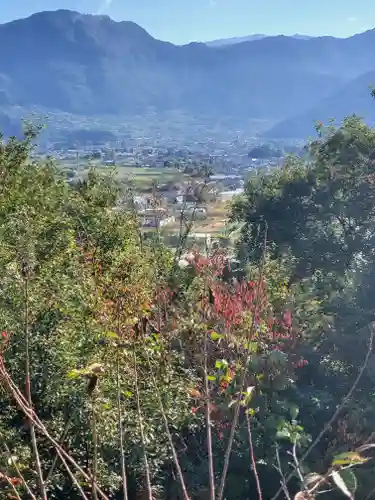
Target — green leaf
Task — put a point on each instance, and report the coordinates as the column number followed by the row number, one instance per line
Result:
column 221, row 364
column 279, row 383
column 74, row 374
column 283, row 434
column 293, row 410
column 253, row 347
column 110, row 335
column 12, row 460
column 248, row 395
column 348, row 458
column 346, row 481
column 131, row 321
column 255, row 362
column 278, row 358
column 211, row 377
column 215, row 336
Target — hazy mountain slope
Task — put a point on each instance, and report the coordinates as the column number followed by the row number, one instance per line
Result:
column 9, row 127
column 234, row 40
column 353, row 98
column 250, row 38
column 87, row 65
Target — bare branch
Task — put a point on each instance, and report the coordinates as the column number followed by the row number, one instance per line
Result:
column 252, row 456
column 336, row 413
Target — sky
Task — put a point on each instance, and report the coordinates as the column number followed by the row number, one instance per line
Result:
column 183, row 21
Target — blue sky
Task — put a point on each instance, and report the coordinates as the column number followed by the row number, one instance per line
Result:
column 181, row 21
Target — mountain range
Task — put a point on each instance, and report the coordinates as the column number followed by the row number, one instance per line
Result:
column 86, row 65
column 223, row 42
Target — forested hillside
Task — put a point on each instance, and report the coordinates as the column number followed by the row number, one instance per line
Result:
column 65, row 62
column 130, row 372
column 354, row 97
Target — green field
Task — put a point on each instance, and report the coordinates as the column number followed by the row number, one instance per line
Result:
column 141, row 177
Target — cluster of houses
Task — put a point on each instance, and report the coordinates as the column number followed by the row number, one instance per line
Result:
column 158, row 213
column 189, row 201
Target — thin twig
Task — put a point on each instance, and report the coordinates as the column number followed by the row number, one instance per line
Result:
column 19, row 473
column 184, row 235
column 243, row 377
column 71, row 475
column 297, row 466
column 94, row 470
column 336, row 413
column 38, row 467
column 30, row 414
column 284, row 487
column 168, row 432
column 140, row 420
column 119, row 413
column 7, row 479
column 312, row 491
column 208, row 425
column 252, row 456
column 61, row 441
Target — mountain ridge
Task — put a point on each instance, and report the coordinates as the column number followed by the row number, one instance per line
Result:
column 91, row 65
column 222, row 42
column 353, row 98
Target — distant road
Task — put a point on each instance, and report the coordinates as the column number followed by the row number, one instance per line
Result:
column 227, row 195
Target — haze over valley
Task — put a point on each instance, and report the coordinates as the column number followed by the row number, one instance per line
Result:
column 79, row 69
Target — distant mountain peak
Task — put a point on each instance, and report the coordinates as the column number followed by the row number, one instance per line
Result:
column 92, row 66
column 61, row 17
column 251, row 38
column 58, row 15
column 76, row 26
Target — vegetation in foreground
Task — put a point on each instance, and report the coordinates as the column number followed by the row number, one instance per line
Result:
column 131, row 372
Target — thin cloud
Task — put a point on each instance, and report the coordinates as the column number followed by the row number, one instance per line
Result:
column 352, row 19
column 104, row 6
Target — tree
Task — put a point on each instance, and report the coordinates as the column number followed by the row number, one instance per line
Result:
column 264, row 152
column 123, row 365
column 320, row 209
column 317, row 215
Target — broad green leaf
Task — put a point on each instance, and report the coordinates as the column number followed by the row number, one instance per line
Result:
column 283, row 434
column 74, row 374
column 215, row 336
column 348, row 458
column 110, row 335
column 12, row 460
column 346, row 481
column 278, row 358
column 293, row 410
column 251, row 346
column 221, row 364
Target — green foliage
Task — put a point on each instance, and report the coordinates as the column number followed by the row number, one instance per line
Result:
column 317, row 215
column 83, row 269
column 264, row 152
column 134, row 359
